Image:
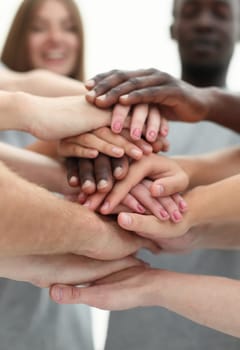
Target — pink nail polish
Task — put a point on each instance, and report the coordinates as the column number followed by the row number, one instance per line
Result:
column 183, row 205
column 164, row 214
column 152, row 135
column 117, row 126
column 140, row 209
column 176, row 215
column 137, row 133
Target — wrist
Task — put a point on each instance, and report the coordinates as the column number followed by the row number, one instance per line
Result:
column 12, row 105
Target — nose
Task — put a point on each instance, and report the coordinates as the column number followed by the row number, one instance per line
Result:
column 54, row 34
column 205, row 20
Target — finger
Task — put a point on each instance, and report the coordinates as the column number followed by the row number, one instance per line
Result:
column 160, row 145
column 93, row 201
column 123, row 187
column 169, row 185
column 133, row 204
column 181, row 203
column 164, row 129
column 139, row 116
column 72, row 171
column 141, row 223
column 98, row 143
column 86, row 175
column 162, row 95
column 103, row 173
column 67, row 148
column 119, row 115
column 153, row 124
column 171, row 208
column 120, row 167
column 110, row 82
column 129, row 147
column 142, row 194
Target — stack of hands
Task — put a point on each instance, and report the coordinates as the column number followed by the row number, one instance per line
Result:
column 130, row 196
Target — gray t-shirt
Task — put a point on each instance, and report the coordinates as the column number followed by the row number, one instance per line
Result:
column 28, row 318
column 159, row 329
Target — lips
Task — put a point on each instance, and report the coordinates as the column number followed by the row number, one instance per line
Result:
column 204, row 44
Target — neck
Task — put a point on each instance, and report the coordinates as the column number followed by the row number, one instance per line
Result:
column 204, row 76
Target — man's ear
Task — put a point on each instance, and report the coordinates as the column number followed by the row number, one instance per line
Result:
column 173, row 32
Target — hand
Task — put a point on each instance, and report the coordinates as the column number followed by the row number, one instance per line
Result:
column 52, row 119
column 122, row 290
column 176, row 99
column 168, row 178
column 105, row 240
column 139, row 200
column 103, row 140
column 43, row 271
column 145, row 119
column 96, row 174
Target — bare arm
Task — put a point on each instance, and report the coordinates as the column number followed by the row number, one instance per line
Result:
column 35, row 221
column 177, row 100
column 211, row 167
column 36, row 168
column 40, row 82
column 210, row 301
column 49, row 118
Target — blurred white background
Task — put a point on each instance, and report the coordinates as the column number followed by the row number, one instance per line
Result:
column 125, row 34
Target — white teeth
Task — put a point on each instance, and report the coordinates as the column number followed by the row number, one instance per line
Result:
column 54, row 55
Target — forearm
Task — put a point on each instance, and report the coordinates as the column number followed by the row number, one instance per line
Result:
column 40, row 82
column 224, row 108
column 215, row 203
column 210, row 301
column 12, row 111
column 35, row 221
column 34, row 167
column 212, row 167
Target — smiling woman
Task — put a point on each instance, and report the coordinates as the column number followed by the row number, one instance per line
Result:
column 46, row 34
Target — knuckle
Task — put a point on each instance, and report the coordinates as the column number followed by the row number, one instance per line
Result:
column 134, row 81
column 103, row 132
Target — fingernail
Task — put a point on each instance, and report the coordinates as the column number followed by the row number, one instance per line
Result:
column 91, row 93
column 81, row 197
column 183, row 205
column 176, row 215
column 58, row 293
column 152, row 135
column 159, row 189
column 101, row 98
column 73, row 180
column 105, row 206
column 164, row 214
column 141, row 209
column 87, row 203
column 136, row 153
column 87, row 184
column 118, row 151
column 90, row 83
column 102, row 184
column 126, row 219
column 136, row 133
column 124, row 97
column 164, row 131
column 117, row 126
column 118, row 171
